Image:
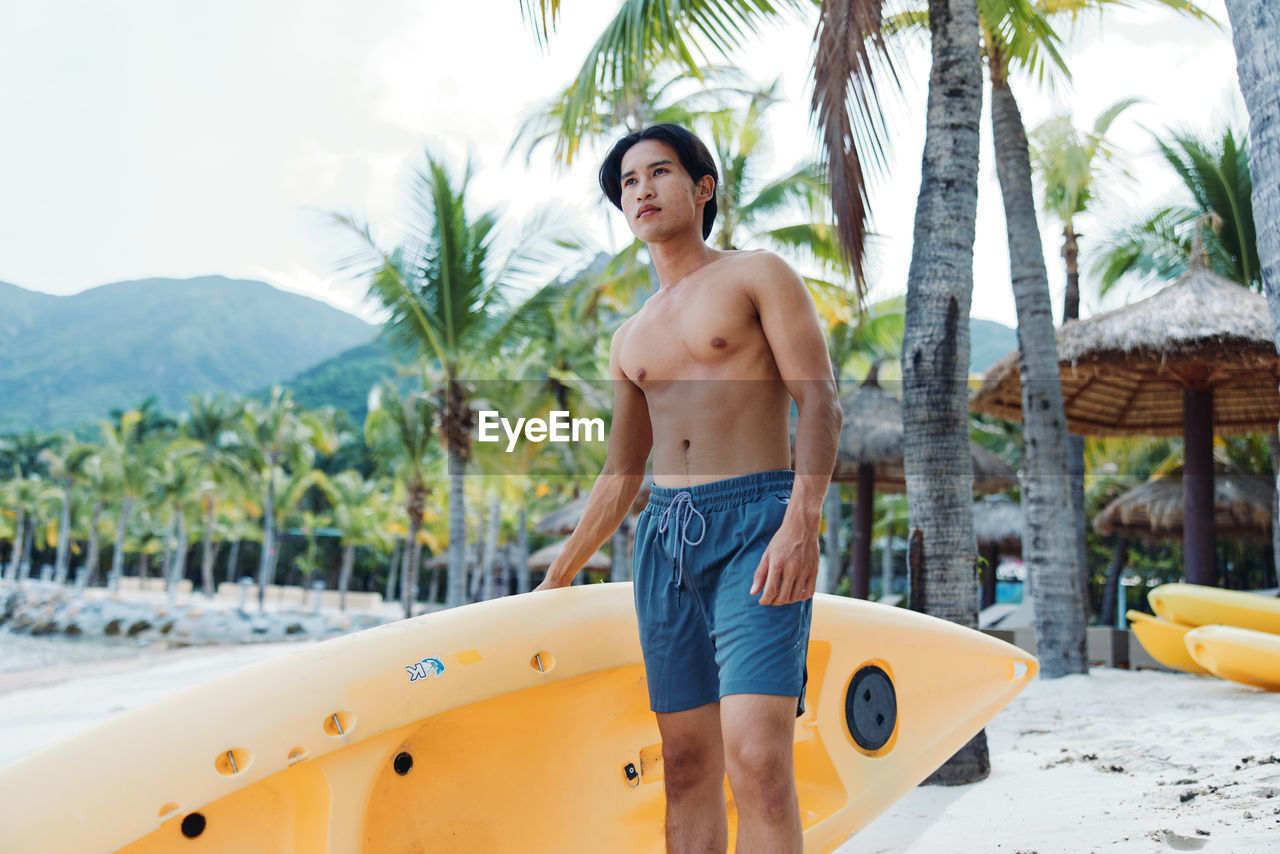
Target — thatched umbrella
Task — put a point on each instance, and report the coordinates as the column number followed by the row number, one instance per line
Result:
column 542, row 558
column 1196, row 356
column 1241, row 508
column 1000, row 525
column 871, row 455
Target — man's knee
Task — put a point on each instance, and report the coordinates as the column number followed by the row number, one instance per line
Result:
column 689, row 762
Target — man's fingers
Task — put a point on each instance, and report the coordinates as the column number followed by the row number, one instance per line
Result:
column 761, row 576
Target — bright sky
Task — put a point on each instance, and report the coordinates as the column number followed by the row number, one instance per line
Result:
column 150, row 138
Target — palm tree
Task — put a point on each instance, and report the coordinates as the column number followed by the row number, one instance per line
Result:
column 279, row 439
column 213, row 423
column 1068, row 165
column 126, row 463
column 1255, row 26
column 359, row 512
column 26, row 495
column 1217, row 176
column 67, row 466
column 447, row 299
column 176, row 487
column 400, row 432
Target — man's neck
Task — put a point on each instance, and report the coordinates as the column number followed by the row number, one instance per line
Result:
column 678, row 257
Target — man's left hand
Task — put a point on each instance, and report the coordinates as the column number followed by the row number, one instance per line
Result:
column 789, row 569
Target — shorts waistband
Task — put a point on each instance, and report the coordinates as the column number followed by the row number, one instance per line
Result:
column 723, row 494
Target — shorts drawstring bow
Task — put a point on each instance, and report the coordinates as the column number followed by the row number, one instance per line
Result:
column 684, row 511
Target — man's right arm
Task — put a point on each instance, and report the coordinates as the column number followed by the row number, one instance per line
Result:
column 616, row 487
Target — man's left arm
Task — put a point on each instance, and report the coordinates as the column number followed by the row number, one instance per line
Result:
column 789, row 569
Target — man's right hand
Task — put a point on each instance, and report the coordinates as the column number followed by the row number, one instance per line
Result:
column 550, row 582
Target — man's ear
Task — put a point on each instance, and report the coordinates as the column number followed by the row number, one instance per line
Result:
column 706, row 187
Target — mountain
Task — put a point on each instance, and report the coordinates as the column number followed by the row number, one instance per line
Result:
column 65, row 360
column 344, row 381
column 989, row 342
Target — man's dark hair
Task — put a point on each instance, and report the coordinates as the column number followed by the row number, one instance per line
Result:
column 692, row 153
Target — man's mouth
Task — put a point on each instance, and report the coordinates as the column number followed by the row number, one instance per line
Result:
column 647, row 209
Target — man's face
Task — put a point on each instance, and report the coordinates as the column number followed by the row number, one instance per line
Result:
column 659, row 198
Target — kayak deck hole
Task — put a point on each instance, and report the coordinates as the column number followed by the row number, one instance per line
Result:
column 297, row 754
column 340, row 723
column 193, row 825
column 1019, row 670
column 403, row 762
column 543, row 662
column 233, row 761
column 168, row 810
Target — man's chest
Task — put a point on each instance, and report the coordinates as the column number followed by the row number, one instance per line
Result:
column 690, row 335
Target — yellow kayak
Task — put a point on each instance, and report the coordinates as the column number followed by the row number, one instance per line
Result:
column 519, row 724
column 1194, row 605
column 1163, row 640
column 1241, row 655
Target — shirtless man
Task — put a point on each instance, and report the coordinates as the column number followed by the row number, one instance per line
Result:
column 727, row 551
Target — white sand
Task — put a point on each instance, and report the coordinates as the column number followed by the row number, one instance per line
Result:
column 1115, row 761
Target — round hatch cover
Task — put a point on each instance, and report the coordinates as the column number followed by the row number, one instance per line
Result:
column 871, row 708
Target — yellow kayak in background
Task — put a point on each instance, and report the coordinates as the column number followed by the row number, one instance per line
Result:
column 1241, row 655
column 1194, row 605
column 1164, row 641
column 519, row 724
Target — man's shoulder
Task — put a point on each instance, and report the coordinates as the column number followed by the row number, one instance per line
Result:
column 757, row 263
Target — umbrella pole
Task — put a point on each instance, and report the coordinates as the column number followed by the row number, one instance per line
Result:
column 1197, row 486
column 860, row 583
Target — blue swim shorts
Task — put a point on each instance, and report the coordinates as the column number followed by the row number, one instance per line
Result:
column 704, row 636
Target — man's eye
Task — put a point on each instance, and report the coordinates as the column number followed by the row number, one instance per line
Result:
column 628, row 182
column 659, row 169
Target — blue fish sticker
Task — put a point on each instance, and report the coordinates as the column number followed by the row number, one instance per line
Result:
column 432, row 667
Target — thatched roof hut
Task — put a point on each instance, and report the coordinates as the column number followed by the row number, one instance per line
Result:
column 1196, row 358
column 873, row 434
column 999, row 521
column 1241, row 508
column 563, row 520
column 1124, row 372
column 542, row 558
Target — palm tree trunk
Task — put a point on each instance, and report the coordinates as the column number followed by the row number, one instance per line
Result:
column 117, row 552
column 206, row 551
column 62, row 560
column 19, row 538
column 344, row 576
column 233, row 561
column 179, row 556
column 410, row 573
column 91, row 559
column 392, row 568
column 522, row 552
column 268, row 537
column 1075, row 444
column 1049, row 548
column 863, row 514
column 457, row 587
column 935, row 346
column 619, row 560
column 1255, row 26
column 829, row 569
column 166, row 562
column 1110, row 614
column 491, row 547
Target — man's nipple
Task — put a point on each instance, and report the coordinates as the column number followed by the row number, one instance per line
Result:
column 718, row 342
column 640, row 374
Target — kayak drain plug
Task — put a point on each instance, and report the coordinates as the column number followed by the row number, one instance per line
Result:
column 403, row 762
